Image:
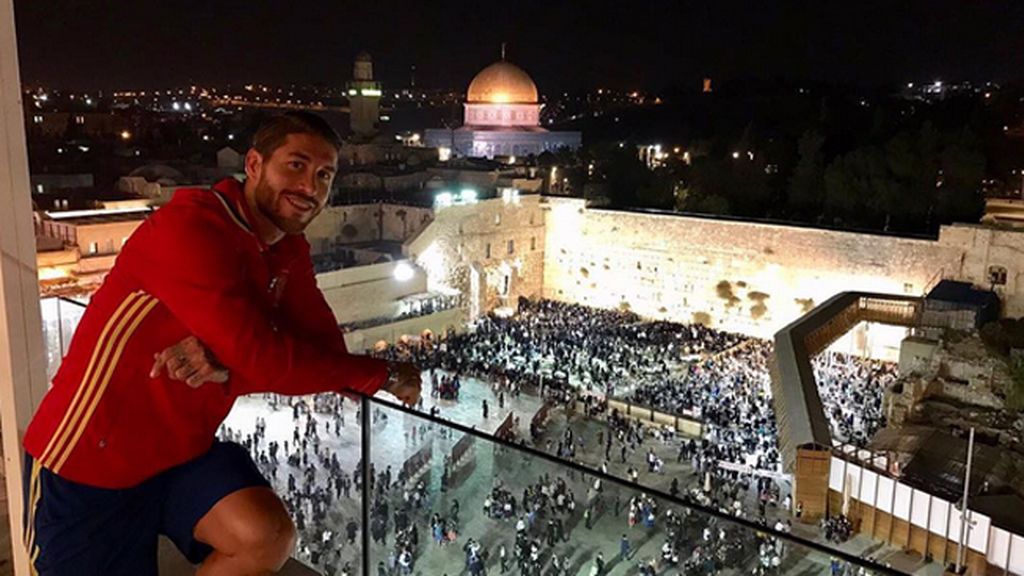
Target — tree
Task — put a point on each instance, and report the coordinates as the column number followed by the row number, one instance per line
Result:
column 624, row 174
column 913, row 164
column 807, row 185
column 850, row 182
column 958, row 197
column 658, row 191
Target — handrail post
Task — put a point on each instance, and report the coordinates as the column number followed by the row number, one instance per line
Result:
column 60, row 328
column 367, row 493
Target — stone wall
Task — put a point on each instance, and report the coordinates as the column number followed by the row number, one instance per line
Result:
column 362, row 340
column 475, row 248
column 360, row 223
column 747, row 277
column 740, row 276
column 983, row 250
column 366, row 292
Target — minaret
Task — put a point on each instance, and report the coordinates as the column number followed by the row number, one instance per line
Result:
column 363, row 97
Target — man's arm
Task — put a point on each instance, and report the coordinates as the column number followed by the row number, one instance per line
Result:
column 189, row 262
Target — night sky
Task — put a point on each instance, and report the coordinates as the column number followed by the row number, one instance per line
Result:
column 110, row 44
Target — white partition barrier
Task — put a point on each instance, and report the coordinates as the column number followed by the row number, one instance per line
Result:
column 953, row 523
column 938, row 519
column 978, row 535
column 904, row 497
column 853, row 475
column 836, row 474
column 999, row 548
column 868, row 482
column 1017, row 555
column 919, row 510
column 885, row 494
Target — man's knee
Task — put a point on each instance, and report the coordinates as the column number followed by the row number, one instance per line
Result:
column 268, row 542
column 252, row 526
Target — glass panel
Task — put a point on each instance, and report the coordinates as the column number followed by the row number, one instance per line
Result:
column 71, row 312
column 51, row 335
column 309, row 448
column 463, row 501
column 60, row 318
column 704, row 411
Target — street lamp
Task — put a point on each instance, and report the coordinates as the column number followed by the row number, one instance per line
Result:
column 404, row 271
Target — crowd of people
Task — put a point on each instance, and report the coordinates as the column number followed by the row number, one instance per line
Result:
column 851, row 390
column 315, row 482
column 609, row 351
column 573, row 356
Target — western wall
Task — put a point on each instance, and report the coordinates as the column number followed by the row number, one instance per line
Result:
column 750, row 277
column 492, row 251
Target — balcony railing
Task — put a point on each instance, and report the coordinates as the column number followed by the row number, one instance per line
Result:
column 447, row 489
column 60, row 317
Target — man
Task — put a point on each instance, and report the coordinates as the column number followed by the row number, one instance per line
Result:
column 212, row 298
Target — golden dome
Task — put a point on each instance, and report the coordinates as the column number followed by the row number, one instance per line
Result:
column 502, row 83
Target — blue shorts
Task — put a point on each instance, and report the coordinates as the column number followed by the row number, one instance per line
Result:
column 74, row 529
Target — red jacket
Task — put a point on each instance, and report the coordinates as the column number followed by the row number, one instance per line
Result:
column 193, row 268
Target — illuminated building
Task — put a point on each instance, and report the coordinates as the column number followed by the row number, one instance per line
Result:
column 364, row 97
column 501, row 118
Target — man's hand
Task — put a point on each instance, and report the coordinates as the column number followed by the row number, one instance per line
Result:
column 404, row 383
column 189, row 361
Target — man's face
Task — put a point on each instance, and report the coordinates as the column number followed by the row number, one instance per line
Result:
column 292, row 185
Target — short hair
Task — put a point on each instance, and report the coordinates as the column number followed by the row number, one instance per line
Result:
column 272, row 132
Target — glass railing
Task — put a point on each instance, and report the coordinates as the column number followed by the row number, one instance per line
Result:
column 454, row 490
column 452, row 499
column 60, row 316
column 445, row 496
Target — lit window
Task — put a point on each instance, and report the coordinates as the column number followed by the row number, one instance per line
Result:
column 37, row 119
column 497, row 219
column 93, row 248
